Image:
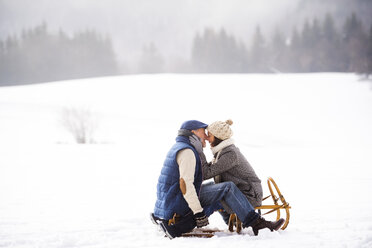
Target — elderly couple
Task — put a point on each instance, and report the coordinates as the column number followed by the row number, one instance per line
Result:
column 181, row 194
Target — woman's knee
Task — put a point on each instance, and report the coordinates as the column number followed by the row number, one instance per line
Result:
column 230, row 185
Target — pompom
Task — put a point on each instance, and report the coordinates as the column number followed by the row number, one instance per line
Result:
column 229, row 121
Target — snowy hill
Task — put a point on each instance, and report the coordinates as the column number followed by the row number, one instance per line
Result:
column 311, row 132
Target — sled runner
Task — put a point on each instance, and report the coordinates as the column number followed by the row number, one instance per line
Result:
column 202, row 233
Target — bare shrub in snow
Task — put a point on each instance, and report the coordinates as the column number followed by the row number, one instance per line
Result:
column 81, row 123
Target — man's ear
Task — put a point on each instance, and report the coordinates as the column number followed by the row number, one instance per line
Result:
column 193, row 131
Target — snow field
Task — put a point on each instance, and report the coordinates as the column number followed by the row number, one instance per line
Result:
column 310, row 132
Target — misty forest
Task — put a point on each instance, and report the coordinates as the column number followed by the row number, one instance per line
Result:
column 319, row 45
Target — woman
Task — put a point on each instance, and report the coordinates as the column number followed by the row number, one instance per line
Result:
column 229, row 164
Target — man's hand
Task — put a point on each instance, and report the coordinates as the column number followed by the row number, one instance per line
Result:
column 201, row 219
column 195, row 141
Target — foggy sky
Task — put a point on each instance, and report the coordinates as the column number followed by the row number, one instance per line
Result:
column 169, row 24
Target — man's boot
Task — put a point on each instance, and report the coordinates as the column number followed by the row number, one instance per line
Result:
column 261, row 223
column 183, row 225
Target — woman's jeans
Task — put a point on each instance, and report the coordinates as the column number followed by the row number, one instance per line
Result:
column 211, row 194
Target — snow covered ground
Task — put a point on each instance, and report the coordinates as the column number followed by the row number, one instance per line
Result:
column 311, row 132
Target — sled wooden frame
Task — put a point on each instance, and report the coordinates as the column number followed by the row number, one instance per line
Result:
column 277, row 206
column 272, row 208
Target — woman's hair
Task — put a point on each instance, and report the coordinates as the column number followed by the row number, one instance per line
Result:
column 216, row 141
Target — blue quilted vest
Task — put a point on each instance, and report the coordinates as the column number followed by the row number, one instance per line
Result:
column 169, row 196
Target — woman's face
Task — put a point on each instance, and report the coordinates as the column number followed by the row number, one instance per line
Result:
column 210, row 138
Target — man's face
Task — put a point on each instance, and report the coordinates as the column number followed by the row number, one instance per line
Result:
column 201, row 134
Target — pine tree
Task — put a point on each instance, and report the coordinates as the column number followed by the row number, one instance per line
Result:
column 294, row 52
column 369, row 54
column 304, row 51
column 355, row 42
column 317, row 62
column 258, row 54
column 196, row 54
column 366, row 69
column 352, row 27
column 202, row 51
column 329, row 29
column 331, row 56
column 10, row 61
column 278, row 53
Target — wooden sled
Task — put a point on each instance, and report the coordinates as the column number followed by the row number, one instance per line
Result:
column 279, row 204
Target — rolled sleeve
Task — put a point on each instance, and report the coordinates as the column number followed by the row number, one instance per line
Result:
column 187, row 163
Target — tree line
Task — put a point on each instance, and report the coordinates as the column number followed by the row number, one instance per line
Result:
column 41, row 56
column 38, row 55
column 318, row 47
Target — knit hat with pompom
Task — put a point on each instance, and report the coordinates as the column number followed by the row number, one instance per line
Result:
column 221, row 129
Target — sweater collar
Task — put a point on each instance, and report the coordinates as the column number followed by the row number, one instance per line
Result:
column 223, row 144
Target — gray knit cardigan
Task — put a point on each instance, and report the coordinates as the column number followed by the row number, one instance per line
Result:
column 233, row 166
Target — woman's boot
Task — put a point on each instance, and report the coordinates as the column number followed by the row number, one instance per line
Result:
column 261, row 223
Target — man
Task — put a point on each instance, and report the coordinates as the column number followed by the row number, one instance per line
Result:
column 180, row 181
column 181, row 195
